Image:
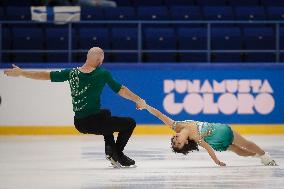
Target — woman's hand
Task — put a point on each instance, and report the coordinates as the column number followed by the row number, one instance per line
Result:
column 220, row 163
column 210, row 151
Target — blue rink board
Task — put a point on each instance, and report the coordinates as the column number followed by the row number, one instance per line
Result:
column 147, row 80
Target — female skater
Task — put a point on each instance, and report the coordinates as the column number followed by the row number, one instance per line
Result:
column 217, row 136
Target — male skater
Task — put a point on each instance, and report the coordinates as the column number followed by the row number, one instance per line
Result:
column 86, row 84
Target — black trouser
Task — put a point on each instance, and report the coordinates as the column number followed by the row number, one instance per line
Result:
column 105, row 124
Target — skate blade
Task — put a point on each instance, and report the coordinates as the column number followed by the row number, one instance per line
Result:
column 128, row 167
column 114, row 164
column 272, row 163
column 123, row 167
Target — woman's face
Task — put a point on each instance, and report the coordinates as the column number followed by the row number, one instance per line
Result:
column 179, row 140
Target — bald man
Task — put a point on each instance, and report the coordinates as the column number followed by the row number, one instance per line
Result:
column 86, row 84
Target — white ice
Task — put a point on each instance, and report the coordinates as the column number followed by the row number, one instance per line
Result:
column 48, row 162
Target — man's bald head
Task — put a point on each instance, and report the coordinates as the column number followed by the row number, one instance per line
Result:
column 95, row 56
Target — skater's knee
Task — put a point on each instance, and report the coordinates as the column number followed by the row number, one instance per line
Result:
column 132, row 122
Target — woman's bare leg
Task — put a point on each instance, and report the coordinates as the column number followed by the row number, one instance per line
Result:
column 248, row 145
column 240, row 151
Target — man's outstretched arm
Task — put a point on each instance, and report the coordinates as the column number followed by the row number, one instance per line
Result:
column 126, row 93
column 38, row 75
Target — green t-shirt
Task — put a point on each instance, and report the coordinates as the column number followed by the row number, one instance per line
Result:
column 86, row 88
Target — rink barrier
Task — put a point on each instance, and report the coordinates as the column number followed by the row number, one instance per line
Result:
column 222, row 93
column 275, row 129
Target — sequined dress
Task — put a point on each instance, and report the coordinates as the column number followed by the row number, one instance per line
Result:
column 218, row 136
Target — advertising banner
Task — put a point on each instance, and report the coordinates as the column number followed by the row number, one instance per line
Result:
column 239, row 95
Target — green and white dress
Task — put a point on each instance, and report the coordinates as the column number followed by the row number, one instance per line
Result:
column 218, row 136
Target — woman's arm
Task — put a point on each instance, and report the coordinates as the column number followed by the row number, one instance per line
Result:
column 210, row 151
column 159, row 115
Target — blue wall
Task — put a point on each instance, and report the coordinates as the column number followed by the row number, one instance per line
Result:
column 264, row 99
column 148, row 82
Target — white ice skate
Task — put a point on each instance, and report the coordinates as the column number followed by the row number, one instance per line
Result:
column 267, row 160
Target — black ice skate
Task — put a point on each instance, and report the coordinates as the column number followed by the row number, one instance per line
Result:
column 125, row 161
column 112, row 156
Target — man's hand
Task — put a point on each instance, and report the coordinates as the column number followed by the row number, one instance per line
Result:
column 141, row 104
column 14, row 72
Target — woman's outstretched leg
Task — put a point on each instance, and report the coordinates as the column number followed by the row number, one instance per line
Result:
column 241, row 151
column 253, row 148
column 240, row 141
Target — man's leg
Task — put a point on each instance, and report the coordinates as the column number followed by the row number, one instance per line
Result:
column 99, row 124
column 108, row 138
column 124, row 126
column 124, row 135
column 109, row 144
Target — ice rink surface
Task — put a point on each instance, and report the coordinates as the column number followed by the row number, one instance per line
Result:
column 48, row 162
